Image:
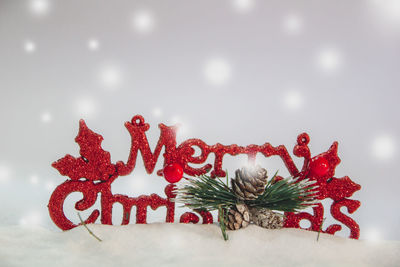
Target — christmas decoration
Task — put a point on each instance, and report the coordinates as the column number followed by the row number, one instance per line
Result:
column 319, row 166
column 238, row 217
column 249, row 183
column 288, row 195
column 267, row 218
column 173, row 173
column 212, row 194
column 92, row 174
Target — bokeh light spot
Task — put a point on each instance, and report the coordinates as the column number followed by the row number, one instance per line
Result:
column 329, row 59
column 293, row 100
column 157, row 112
column 85, row 107
column 388, row 10
column 143, row 21
column 34, row 179
column 217, row 71
column 39, row 7
column 293, row 24
column 243, row 6
column 372, row 235
column 110, row 77
column 29, row 47
column 46, row 117
column 93, row 45
column 183, row 129
column 383, row 147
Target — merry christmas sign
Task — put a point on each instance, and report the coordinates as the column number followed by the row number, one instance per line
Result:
column 92, row 174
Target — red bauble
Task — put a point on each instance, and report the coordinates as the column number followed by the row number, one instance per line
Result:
column 173, row 173
column 319, row 166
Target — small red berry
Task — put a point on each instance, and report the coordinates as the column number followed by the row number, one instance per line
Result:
column 173, row 173
column 277, row 179
column 319, row 166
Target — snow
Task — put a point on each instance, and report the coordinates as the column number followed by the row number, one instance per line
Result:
column 162, row 244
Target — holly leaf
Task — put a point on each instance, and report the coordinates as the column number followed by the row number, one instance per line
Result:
column 339, row 188
column 93, row 164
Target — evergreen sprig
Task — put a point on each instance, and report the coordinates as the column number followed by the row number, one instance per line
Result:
column 286, row 195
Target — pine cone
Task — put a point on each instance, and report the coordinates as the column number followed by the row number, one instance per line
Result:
column 267, row 218
column 238, row 217
column 250, row 182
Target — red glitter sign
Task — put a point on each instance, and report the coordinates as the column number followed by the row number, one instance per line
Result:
column 93, row 173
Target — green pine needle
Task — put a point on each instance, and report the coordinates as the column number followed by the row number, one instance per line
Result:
column 222, row 215
column 288, row 195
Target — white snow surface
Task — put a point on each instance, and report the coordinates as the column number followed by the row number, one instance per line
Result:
column 162, row 244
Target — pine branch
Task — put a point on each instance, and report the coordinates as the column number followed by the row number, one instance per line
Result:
column 288, row 195
column 206, row 192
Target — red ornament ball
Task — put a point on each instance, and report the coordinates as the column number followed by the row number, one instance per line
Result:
column 173, row 173
column 319, row 166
